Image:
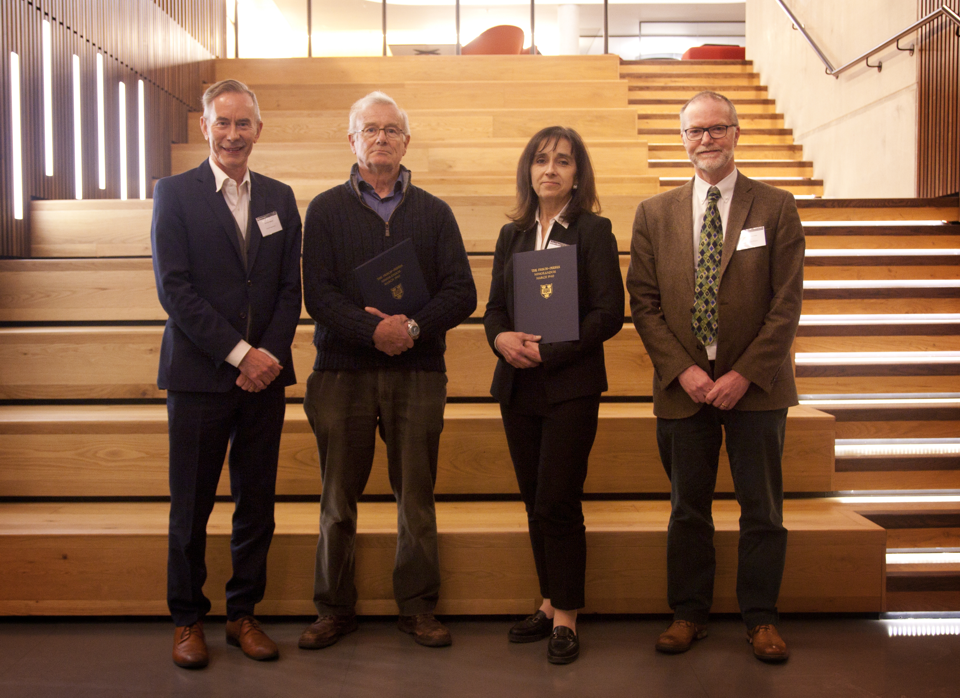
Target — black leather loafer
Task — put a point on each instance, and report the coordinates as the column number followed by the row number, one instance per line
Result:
column 564, row 646
column 531, row 628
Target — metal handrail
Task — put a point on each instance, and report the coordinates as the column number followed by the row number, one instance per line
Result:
column 835, row 72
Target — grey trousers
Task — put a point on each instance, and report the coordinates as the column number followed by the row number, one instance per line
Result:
column 346, row 409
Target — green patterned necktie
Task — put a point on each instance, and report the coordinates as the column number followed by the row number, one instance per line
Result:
column 708, row 272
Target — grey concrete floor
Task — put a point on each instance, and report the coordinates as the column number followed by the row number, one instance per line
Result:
column 832, row 656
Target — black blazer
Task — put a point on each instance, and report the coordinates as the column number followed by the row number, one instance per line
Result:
column 571, row 369
column 205, row 289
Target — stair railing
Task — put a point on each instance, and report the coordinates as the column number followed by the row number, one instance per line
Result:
column 943, row 11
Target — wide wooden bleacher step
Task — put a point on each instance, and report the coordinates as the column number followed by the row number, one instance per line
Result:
column 121, row 451
column 115, row 556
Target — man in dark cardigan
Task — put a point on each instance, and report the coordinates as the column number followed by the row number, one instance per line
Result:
column 376, row 371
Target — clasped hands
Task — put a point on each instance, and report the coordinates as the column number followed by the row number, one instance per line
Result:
column 724, row 393
column 519, row 349
column 257, row 371
column 391, row 335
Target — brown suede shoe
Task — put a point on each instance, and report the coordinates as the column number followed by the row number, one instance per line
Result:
column 190, row 647
column 246, row 634
column 768, row 646
column 680, row 636
column 326, row 630
column 426, row 630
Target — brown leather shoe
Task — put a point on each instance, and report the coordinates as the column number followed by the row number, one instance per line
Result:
column 768, row 646
column 679, row 637
column 426, row 630
column 190, row 647
column 326, row 630
column 246, row 634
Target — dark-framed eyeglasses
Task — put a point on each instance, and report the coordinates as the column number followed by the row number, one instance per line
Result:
column 370, row 133
column 716, row 132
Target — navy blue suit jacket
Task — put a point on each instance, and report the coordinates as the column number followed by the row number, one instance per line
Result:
column 205, row 289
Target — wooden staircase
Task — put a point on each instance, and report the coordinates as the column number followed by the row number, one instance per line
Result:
column 83, row 427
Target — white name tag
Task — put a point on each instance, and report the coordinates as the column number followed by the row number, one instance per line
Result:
column 752, row 237
column 552, row 244
column 269, row 224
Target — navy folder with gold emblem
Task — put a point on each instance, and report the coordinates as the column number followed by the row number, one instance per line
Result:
column 392, row 282
column 545, row 294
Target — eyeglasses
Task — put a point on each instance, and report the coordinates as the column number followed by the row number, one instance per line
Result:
column 716, row 132
column 370, row 133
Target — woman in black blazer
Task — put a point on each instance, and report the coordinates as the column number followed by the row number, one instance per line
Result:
column 549, row 394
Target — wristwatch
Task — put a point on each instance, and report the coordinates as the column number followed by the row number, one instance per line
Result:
column 413, row 329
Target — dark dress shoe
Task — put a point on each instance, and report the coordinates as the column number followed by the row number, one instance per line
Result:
column 326, row 630
column 768, row 646
column 564, row 646
column 190, row 647
column 680, row 636
column 246, row 634
column 531, row 628
column 426, row 630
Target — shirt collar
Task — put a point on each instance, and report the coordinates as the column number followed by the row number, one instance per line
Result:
column 364, row 185
column 220, row 176
column 702, row 187
column 561, row 217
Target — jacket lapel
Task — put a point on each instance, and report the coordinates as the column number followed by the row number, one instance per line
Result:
column 258, row 207
column 739, row 208
column 683, row 215
column 208, row 185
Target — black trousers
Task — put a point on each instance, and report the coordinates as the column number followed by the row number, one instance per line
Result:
column 549, row 446
column 201, row 425
column 690, row 450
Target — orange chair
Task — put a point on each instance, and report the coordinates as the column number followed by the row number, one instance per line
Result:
column 504, row 39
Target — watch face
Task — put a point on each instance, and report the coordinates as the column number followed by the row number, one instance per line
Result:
column 413, row 328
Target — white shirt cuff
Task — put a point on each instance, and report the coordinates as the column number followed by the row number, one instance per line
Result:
column 236, row 356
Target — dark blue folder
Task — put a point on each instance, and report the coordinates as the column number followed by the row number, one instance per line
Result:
column 545, row 294
column 392, row 282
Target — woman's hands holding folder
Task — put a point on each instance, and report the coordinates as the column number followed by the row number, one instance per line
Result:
column 519, row 349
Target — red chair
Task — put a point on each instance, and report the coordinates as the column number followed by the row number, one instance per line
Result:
column 502, row 40
column 712, row 52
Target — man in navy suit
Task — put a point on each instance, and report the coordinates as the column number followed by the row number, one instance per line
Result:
column 226, row 255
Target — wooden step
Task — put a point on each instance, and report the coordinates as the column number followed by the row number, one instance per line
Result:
column 862, row 372
column 783, row 136
column 799, row 186
column 436, row 94
column 121, row 451
column 444, row 124
column 747, row 151
column 72, row 228
column 659, row 66
column 758, row 169
column 671, row 120
column 639, row 89
column 718, row 81
column 672, row 106
column 938, row 209
column 393, row 69
column 882, row 264
column 879, row 236
column 110, row 558
column 850, row 297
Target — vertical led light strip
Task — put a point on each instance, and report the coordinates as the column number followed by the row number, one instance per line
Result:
column 77, row 131
column 123, row 140
column 101, row 127
column 142, row 141
column 16, row 136
column 47, row 99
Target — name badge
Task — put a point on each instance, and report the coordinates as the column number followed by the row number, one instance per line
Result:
column 269, row 224
column 552, row 244
column 752, row 237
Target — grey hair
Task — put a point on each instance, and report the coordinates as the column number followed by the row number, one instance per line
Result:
column 716, row 97
column 224, row 87
column 375, row 97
